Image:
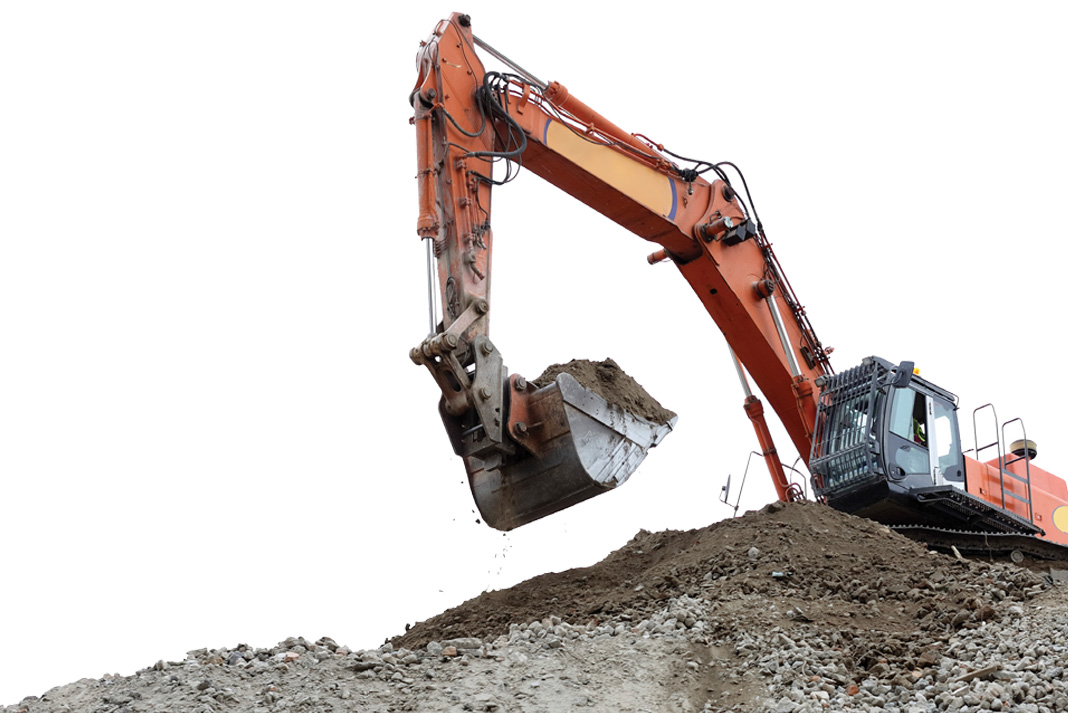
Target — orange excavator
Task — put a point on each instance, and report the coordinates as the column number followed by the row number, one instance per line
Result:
column 879, row 441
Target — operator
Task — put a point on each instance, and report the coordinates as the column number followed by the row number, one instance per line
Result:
column 919, row 434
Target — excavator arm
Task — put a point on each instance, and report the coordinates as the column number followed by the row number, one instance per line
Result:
column 520, row 444
column 879, row 440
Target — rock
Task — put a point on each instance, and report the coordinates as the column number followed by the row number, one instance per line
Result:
column 929, row 657
column 785, row 705
column 708, row 632
column 979, row 673
column 466, row 644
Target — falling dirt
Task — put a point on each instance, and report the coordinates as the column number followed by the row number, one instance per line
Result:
column 609, row 381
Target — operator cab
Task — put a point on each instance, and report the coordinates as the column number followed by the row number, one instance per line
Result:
column 922, row 437
column 885, row 441
column 887, row 447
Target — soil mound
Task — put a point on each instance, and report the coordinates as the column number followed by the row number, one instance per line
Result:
column 795, row 608
column 825, row 563
column 609, row 381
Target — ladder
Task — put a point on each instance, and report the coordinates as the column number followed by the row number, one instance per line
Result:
column 1003, row 463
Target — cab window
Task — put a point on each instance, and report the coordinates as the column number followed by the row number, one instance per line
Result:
column 947, row 442
column 908, row 416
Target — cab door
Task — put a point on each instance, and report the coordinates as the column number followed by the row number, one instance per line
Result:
column 922, row 441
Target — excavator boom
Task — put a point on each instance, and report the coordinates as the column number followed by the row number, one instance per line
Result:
column 877, row 442
column 467, row 119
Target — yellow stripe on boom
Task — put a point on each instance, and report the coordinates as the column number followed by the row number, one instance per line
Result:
column 652, row 189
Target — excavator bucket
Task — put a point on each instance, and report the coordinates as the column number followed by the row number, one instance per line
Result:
column 576, row 444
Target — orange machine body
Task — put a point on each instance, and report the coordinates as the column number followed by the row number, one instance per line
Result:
column 469, row 121
column 1034, row 493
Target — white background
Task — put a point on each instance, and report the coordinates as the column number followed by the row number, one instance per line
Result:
column 210, row 431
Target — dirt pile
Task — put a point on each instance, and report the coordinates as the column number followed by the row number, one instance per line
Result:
column 836, row 568
column 797, row 608
column 609, row 381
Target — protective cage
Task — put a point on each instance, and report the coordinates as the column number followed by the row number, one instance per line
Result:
column 845, row 445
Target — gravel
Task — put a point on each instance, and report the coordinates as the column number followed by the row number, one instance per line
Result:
column 728, row 636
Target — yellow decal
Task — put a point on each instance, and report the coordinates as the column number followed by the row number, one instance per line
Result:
column 1060, row 518
column 652, row 189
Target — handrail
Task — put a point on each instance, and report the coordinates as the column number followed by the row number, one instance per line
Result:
column 1026, row 457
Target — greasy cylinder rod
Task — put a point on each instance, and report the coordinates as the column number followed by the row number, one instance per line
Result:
column 791, row 360
column 741, row 375
column 527, row 75
column 754, row 409
column 558, row 95
column 431, row 288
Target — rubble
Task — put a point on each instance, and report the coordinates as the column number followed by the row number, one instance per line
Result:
column 858, row 619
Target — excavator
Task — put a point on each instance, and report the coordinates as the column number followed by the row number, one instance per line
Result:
column 879, row 441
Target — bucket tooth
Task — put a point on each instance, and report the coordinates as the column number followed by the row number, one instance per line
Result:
column 580, row 446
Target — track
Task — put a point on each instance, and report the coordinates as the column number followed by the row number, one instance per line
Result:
column 985, row 543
